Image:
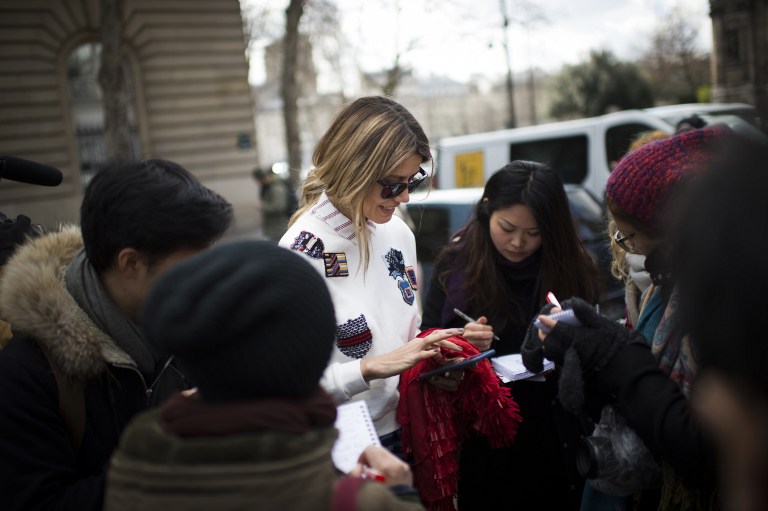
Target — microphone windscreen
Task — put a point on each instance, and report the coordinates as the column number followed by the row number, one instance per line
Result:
column 27, row 171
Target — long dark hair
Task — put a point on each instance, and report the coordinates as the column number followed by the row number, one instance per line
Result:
column 566, row 268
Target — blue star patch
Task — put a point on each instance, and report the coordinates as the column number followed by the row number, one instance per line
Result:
column 406, row 281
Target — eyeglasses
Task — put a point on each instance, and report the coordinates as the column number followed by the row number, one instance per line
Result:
column 394, row 189
column 625, row 242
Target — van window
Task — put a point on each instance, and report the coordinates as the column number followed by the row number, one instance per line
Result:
column 618, row 138
column 433, row 228
column 566, row 155
column 589, row 215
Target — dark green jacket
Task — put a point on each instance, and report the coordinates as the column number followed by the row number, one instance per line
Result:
column 267, row 471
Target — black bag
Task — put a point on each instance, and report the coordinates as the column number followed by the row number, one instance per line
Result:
column 615, row 460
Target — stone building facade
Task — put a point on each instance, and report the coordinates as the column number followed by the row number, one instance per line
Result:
column 191, row 102
column 740, row 56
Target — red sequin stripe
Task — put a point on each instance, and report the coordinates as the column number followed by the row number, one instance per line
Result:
column 357, row 339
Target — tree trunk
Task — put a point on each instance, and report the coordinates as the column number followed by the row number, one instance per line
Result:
column 117, row 131
column 290, row 90
column 511, row 116
column 393, row 77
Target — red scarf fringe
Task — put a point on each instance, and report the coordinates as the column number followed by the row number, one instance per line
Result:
column 436, row 422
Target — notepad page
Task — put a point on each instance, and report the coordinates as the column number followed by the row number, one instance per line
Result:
column 356, row 432
column 511, row 368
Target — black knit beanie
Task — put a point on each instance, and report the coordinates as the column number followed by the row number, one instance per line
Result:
column 246, row 320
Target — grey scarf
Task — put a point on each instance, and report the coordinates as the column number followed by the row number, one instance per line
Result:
column 84, row 285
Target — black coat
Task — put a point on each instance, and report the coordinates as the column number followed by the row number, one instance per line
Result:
column 539, row 470
column 39, row 468
column 659, row 413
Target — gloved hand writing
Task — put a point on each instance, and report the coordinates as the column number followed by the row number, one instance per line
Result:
column 581, row 351
column 532, row 350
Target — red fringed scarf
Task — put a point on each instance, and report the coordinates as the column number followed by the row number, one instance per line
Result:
column 436, row 422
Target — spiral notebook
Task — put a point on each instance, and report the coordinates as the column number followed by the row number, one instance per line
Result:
column 356, row 432
column 511, row 368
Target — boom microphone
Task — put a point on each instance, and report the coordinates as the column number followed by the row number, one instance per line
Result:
column 26, row 171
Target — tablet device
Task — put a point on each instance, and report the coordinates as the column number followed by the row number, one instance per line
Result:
column 457, row 365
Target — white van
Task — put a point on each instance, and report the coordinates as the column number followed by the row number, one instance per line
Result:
column 582, row 151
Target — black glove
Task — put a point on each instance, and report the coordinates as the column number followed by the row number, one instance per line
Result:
column 532, row 349
column 581, row 351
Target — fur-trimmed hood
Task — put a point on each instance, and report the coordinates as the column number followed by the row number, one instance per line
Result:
column 35, row 301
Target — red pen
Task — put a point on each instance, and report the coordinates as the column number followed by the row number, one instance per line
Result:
column 373, row 475
column 551, row 298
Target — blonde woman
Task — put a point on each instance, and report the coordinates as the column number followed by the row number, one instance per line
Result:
column 365, row 165
column 629, row 267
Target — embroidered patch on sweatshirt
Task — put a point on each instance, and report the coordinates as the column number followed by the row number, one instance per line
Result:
column 335, row 264
column 309, row 244
column 354, row 338
column 397, row 270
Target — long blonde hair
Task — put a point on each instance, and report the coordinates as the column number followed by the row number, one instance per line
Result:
column 367, row 141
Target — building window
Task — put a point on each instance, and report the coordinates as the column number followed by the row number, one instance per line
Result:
column 566, row 155
column 88, row 109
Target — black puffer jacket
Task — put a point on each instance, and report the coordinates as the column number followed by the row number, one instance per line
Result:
column 39, row 467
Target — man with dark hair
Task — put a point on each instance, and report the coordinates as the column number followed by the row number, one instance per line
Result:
column 78, row 368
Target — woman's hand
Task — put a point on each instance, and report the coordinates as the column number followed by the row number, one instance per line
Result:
column 480, row 334
column 395, row 471
column 408, row 355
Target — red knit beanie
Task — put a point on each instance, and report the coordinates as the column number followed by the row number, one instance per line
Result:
column 641, row 182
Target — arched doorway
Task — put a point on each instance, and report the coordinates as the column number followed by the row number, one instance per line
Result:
column 87, row 108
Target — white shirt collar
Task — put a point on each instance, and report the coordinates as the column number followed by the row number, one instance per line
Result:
column 325, row 210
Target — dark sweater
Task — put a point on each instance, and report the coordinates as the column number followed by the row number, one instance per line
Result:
column 538, row 471
column 520, row 280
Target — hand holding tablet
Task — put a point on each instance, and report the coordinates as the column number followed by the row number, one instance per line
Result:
column 439, row 371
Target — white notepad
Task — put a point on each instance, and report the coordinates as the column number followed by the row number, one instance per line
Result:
column 511, row 368
column 356, row 432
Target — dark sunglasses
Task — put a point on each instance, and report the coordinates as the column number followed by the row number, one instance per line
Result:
column 393, row 190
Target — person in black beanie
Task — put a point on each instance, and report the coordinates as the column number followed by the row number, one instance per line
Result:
column 253, row 326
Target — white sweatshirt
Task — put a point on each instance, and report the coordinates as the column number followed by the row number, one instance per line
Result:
column 376, row 311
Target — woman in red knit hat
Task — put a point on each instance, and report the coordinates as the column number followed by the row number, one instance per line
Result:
column 650, row 368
